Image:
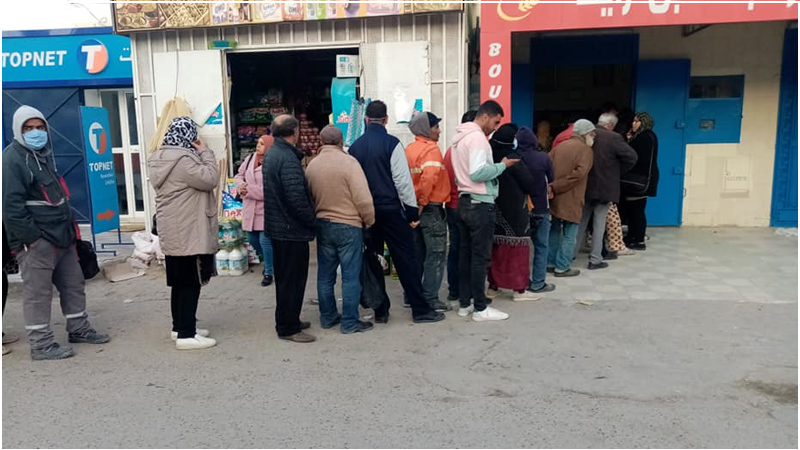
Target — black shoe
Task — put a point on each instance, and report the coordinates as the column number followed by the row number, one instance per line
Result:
column 335, row 322
column 305, row 325
column 641, row 246
column 382, row 319
column 429, row 317
column 89, row 337
column 441, row 307
column 267, row 280
column 360, row 328
column 551, row 270
column 452, row 298
column 543, row 289
column 602, row 265
column 610, row 256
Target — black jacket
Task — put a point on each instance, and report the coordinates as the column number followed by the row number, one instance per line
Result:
column 35, row 200
column 516, row 184
column 646, row 146
column 612, row 158
column 288, row 209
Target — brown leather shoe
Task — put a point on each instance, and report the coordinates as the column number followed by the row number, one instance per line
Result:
column 301, row 338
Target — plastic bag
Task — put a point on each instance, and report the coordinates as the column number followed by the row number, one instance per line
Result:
column 231, row 209
column 373, row 285
column 142, row 241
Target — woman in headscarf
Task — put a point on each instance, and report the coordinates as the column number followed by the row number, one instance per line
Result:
column 184, row 173
column 251, row 187
column 510, row 268
column 641, row 182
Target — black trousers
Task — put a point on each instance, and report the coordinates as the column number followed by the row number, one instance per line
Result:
column 183, row 301
column 392, row 228
column 477, row 233
column 632, row 213
column 291, row 274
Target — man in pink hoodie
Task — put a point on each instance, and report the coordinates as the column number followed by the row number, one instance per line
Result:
column 476, row 177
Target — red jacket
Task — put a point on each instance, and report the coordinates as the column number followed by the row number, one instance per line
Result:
column 563, row 136
column 448, row 164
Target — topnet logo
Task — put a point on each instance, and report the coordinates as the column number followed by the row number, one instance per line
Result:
column 93, row 56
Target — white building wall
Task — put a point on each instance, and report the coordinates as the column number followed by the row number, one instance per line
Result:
column 445, row 32
column 752, row 49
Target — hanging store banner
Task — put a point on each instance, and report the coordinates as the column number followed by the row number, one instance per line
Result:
column 343, row 92
column 100, row 168
column 499, row 20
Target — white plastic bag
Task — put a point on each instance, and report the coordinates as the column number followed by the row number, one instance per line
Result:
column 142, row 241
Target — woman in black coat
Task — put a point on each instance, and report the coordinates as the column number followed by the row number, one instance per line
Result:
column 640, row 182
column 511, row 248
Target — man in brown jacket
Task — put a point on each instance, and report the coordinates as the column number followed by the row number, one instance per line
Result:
column 344, row 207
column 571, row 164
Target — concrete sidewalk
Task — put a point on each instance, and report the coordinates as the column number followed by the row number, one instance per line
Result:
column 692, row 343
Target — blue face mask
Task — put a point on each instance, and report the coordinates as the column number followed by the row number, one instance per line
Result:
column 35, row 139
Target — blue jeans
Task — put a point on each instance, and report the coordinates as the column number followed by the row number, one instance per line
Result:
column 337, row 244
column 452, row 254
column 431, row 240
column 263, row 247
column 563, row 235
column 540, row 235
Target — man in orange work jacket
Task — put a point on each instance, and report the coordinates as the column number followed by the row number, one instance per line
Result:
column 432, row 186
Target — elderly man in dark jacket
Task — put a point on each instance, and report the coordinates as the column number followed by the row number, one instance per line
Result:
column 612, row 158
column 289, row 219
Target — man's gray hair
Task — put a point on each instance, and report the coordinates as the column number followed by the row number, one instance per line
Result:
column 331, row 135
column 608, row 118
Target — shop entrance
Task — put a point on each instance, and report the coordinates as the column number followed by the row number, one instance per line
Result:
column 267, row 84
column 576, row 77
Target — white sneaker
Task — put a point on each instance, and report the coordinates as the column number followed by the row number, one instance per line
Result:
column 626, row 252
column 526, row 296
column 464, row 312
column 491, row 293
column 200, row 331
column 196, row 343
column 489, row 314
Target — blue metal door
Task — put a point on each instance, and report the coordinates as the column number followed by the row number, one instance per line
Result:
column 661, row 90
column 784, row 184
column 61, row 108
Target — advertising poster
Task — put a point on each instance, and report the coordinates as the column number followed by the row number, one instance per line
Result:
column 183, row 14
column 294, row 11
column 424, row 7
column 100, row 169
column 138, row 16
column 267, row 12
column 321, row 10
column 343, row 92
column 230, row 13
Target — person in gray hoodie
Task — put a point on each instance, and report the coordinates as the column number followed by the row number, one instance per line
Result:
column 42, row 233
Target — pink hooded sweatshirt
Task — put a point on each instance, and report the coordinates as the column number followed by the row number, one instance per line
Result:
column 475, row 170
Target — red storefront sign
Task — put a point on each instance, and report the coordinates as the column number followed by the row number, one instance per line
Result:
column 499, row 20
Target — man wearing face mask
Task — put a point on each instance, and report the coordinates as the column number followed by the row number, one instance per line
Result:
column 42, row 233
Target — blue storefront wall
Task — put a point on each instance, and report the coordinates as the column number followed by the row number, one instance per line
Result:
column 49, row 70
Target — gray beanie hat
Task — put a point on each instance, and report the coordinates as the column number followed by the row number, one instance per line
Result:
column 582, row 127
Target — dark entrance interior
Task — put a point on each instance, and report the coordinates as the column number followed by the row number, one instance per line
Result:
column 581, row 76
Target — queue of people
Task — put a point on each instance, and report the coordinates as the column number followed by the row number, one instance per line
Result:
column 511, row 211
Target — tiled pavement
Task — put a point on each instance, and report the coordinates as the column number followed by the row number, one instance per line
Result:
column 725, row 264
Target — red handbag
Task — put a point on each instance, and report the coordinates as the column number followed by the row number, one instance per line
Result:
column 510, row 267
